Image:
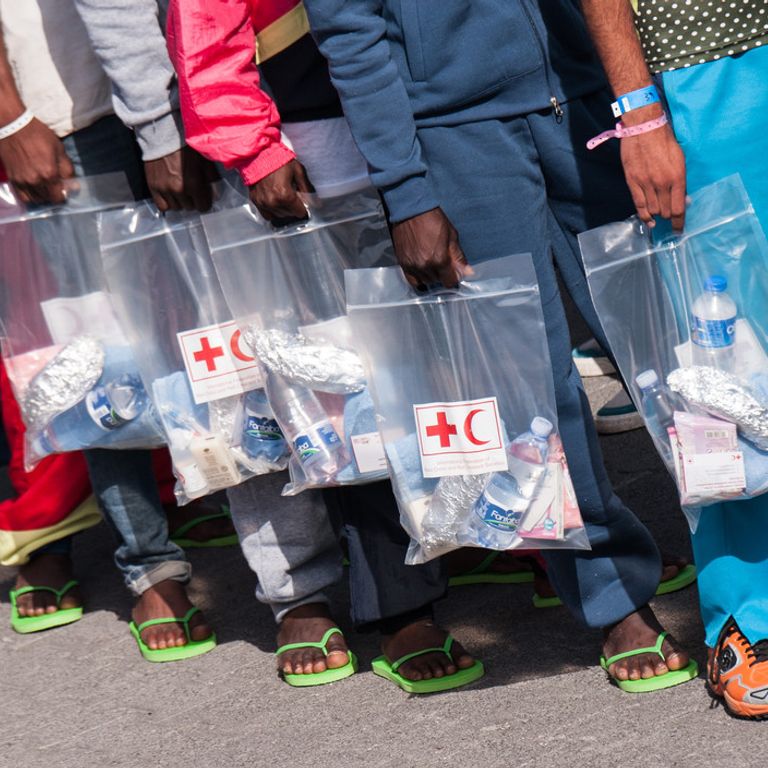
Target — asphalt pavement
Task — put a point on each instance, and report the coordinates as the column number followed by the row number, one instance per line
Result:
column 82, row 697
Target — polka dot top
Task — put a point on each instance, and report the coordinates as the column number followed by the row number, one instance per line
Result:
column 680, row 33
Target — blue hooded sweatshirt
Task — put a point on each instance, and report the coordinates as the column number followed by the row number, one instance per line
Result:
column 400, row 65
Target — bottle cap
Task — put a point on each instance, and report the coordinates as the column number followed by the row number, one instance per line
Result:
column 647, row 379
column 541, row 427
column 716, row 283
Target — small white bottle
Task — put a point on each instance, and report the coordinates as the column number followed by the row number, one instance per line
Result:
column 713, row 325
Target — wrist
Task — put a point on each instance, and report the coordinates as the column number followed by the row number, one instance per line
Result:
column 8, row 129
column 642, row 115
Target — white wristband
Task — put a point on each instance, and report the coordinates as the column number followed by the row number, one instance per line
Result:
column 22, row 121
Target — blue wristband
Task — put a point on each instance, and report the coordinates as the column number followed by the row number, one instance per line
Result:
column 635, row 99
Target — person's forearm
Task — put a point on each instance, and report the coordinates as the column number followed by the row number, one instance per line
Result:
column 612, row 27
column 128, row 40
column 11, row 105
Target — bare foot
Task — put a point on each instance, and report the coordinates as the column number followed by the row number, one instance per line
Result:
column 163, row 600
column 205, row 531
column 308, row 624
column 46, row 571
column 641, row 630
column 461, row 561
column 424, row 634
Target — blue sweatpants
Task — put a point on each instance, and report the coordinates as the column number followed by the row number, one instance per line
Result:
column 528, row 185
column 720, row 115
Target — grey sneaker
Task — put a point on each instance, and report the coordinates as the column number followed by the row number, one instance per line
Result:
column 618, row 415
column 590, row 360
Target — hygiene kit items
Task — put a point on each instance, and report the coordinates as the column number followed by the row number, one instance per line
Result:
column 68, row 357
column 206, row 386
column 285, row 290
column 462, row 385
column 685, row 316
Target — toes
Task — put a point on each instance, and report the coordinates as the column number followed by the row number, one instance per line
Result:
column 460, row 656
column 311, row 660
column 677, row 660
column 336, row 659
column 437, row 669
column 200, row 631
column 412, row 672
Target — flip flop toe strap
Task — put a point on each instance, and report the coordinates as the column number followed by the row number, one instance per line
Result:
column 190, row 524
column 445, row 648
column 183, row 620
column 639, row 651
column 322, row 645
column 16, row 593
column 484, row 565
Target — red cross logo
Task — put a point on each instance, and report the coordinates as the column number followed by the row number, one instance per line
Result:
column 208, row 354
column 442, row 429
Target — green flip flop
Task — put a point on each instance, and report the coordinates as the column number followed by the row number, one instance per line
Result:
column 684, row 578
column 482, row 574
column 26, row 624
column 671, row 678
column 177, row 537
column 319, row 678
column 383, row 668
column 192, row 648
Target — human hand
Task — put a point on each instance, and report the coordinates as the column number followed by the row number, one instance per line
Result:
column 181, row 181
column 36, row 164
column 427, row 248
column 654, row 167
column 277, row 196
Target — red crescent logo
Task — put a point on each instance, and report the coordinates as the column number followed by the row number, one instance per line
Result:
column 234, row 345
column 468, row 428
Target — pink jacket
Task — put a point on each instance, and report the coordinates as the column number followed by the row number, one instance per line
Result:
column 214, row 46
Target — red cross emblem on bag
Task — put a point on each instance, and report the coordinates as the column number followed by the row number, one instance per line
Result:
column 460, row 438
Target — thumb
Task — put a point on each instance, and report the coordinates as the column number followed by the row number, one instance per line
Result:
column 460, row 260
column 65, row 167
column 300, row 178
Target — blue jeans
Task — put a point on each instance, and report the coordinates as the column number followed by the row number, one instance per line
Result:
column 123, row 481
column 528, row 185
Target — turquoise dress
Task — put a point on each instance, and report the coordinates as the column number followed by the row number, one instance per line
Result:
column 719, row 110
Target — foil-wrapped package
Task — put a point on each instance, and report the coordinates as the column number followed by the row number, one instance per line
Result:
column 64, row 382
column 451, row 503
column 324, row 367
column 726, row 396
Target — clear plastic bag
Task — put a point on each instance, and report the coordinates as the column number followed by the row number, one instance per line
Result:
column 205, row 385
column 462, row 384
column 285, row 288
column 687, row 320
column 67, row 355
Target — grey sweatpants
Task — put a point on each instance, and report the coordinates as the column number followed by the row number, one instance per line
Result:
column 288, row 541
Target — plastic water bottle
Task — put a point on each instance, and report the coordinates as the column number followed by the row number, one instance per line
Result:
column 658, row 407
column 713, row 325
column 306, row 428
column 262, row 437
column 106, row 408
column 507, row 495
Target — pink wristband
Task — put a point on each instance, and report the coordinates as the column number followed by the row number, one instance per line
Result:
column 621, row 131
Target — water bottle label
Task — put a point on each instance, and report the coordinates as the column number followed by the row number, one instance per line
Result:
column 101, row 411
column 713, row 334
column 262, row 428
column 310, row 445
column 498, row 517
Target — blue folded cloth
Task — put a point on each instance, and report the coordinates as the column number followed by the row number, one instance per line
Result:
column 359, row 419
column 177, row 407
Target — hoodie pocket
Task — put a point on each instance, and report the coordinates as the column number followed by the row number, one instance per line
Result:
column 467, row 45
